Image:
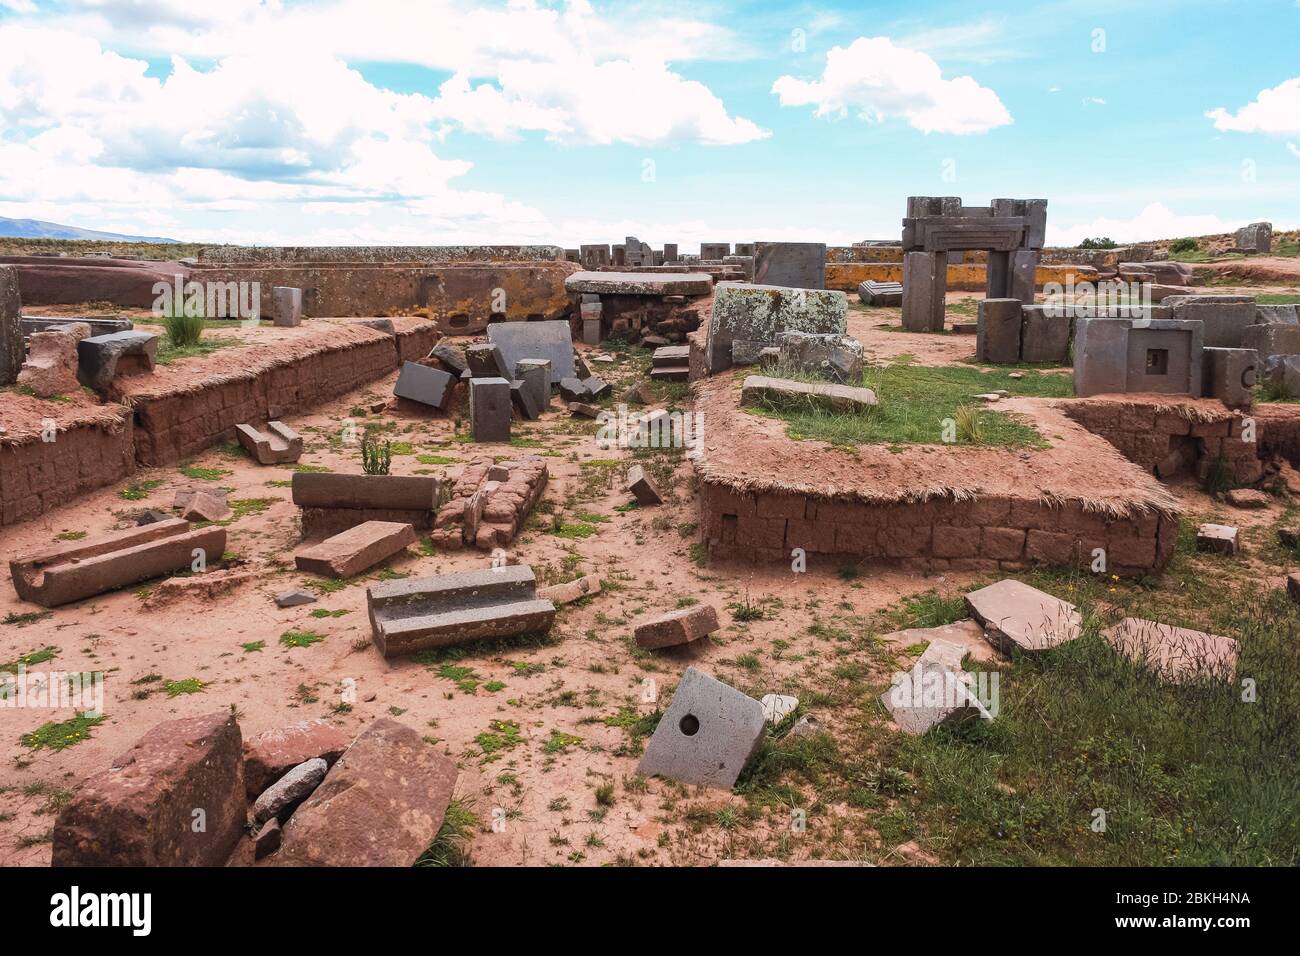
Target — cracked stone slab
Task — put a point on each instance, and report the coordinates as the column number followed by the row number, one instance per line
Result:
column 1016, row 615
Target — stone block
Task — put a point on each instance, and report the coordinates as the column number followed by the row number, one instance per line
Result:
column 878, row 294
column 205, row 507
column 536, row 376
column 748, row 318
column 278, row 445
column 489, row 409
column 485, row 360
column 101, row 358
column 795, row 265
column 759, row 389
column 638, row 482
column 838, row 358
column 925, row 286
column 1016, row 615
column 268, row 756
column 282, row 797
column 141, row 810
column 641, row 283
column 1272, row 339
column 1230, row 375
column 551, row 341
column 451, row 358
column 997, row 339
column 930, row 695
column 1224, row 318
column 11, row 333
column 1279, row 314
column 1218, row 538
column 1255, row 238
column 1044, row 337
column 288, row 306
column 427, row 386
column 591, row 331
column 707, row 734
column 464, row 298
column 355, row 550
column 381, row 804
column 366, row 492
column 51, row 367
column 677, row 627
column 1178, row 655
column 570, row 591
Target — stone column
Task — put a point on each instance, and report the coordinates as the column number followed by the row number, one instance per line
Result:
column 11, row 332
column 997, row 338
column 925, row 282
column 1022, row 282
column 998, row 283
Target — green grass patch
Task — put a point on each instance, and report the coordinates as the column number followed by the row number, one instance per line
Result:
column 190, row 685
column 300, row 638
column 451, row 846
column 204, row 474
column 27, row 660
column 62, row 734
column 139, row 490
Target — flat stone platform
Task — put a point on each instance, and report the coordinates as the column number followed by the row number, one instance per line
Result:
column 640, row 283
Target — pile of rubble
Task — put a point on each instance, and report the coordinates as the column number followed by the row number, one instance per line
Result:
column 489, row 503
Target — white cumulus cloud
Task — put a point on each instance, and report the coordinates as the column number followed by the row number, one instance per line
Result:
column 1155, row 221
column 879, row 81
column 1274, row 111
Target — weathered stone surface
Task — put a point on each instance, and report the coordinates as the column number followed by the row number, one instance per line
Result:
column 776, row 707
column 1177, row 654
column 462, row 298
column 1248, row 498
column 1230, row 375
column 1283, row 373
column 355, row 550
column 101, row 358
column 758, row 389
column 1224, row 318
column 925, row 285
column 278, row 445
column 879, row 294
column 268, row 839
column 585, row 410
column 428, row 386
column 1257, row 237
column 748, row 318
column 204, row 507
column 570, row 591
column 706, row 735
column 268, row 756
column 839, row 358
column 795, row 265
column 642, row 488
column 677, row 627
column 381, row 804
column 485, row 360
column 536, row 376
column 51, row 366
column 74, row 570
column 1016, row 615
column 1272, row 339
column 11, row 333
column 1113, row 355
column 294, row 598
column 418, row 613
column 280, row 798
column 1219, row 538
column 141, row 811
column 997, row 339
column 361, row 492
column 489, row 409
column 640, row 283
column 928, row 696
column 551, row 341
column 1044, row 336
column 288, row 306
column 451, row 357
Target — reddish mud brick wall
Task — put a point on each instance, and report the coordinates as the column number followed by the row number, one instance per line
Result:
column 37, row 476
column 983, row 534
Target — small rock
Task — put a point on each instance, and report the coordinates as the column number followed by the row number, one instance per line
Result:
column 1219, row 538
column 268, row 839
column 1015, row 375
column 294, row 598
column 776, row 707
column 806, row 726
column 570, row 591
column 378, row 406
column 638, row 482
column 153, row 516
column 989, row 397
column 205, row 507
column 1248, row 498
column 583, row 409
column 279, row 799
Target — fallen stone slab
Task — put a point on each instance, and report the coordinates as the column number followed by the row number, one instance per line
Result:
column 536, row 377
column 548, row 341
column 1218, row 538
column 524, row 401
column 1249, row 498
column 51, row 365
column 75, row 570
column 268, row 756
column 418, row 613
column 427, row 386
column 839, row 358
column 760, row 390
column 707, row 734
column 928, row 696
column 184, row 497
column 596, row 387
column 642, row 488
column 348, row 554
column 880, row 294
column 677, row 627
column 102, row 358
column 776, row 707
column 1016, row 615
column 278, row 445
column 205, row 507
column 947, row 644
column 279, row 800
column 640, row 283
column 584, row 409
column 451, row 358
column 1177, row 654
column 381, row 804
column 141, row 811
column 484, row 360
column 332, row 503
column 570, row 591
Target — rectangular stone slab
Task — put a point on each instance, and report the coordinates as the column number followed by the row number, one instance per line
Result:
column 278, row 445
column 140, row 811
column 348, row 554
column 677, row 627
column 928, row 696
column 76, row 570
column 489, row 409
column 640, row 283
column 552, row 341
column 759, row 388
column 707, row 734
column 747, row 318
column 1016, row 615
column 798, row 265
column 1178, row 654
column 387, row 492
column 428, row 386
column 381, row 804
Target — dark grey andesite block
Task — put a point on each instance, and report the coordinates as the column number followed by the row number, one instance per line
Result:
column 452, row 358
column 428, row 386
column 1044, row 336
column 288, row 306
column 596, row 387
column 485, row 360
column 100, row 358
column 1230, row 375
column 524, row 400
column 550, row 340
column 796, row 265
column 707, row 734
column 573, row 389
column 997, row 337
column 880, row 293
column 489, row 409
column 11, row 333
column 536, row 376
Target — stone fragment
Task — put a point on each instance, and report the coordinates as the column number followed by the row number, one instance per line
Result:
column 524, row 401
column 1248, row 498
column 748, row 318
column 51, row 366
column 707, row 734
column 570, row 591
column 638, row 482
column 268, row 839
column 489, row 409
column 204, row 507
column 451, row 358
column 1230, row 375
column 758, row 390
column 536, row 376
column 677, row 627
column 141, row 810
column 1044, row 335
column 349, row 553
column 585, row 410
column 280, row 798
column 806, row 726
column 776, row 707
column 1256, row 238
column 795, row 265
column 928, row 696
column 288, row 306
column 596, row 387
column 1219, row 538
column 839, row 358
column 268, row 756
column 879, row 294
column 381, row 804
column 640, row 283
column 11, row 333
column 294, row 598
column 278, row 445
column 997, row 339
column 484, row 360
column 551, row 341
column 101, row 358
column 1177, row 654
column 418, row 613
column 428, row 386
column 1016, row 615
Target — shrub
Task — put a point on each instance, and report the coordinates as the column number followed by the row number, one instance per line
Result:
column 1102, row 242
column 1183, row 245
column 375, row 460
column 183, row 330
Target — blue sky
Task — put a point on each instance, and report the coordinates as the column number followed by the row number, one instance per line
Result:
column 394, row 121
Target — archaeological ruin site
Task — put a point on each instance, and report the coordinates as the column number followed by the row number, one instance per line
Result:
column 524, row 555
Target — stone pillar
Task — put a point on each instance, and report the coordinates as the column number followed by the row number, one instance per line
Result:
column 670, row 252
column 1021, row 281
column 998, row 282
column 997, row 337
column 11, row 332
column 925, row 282
column 288, row 306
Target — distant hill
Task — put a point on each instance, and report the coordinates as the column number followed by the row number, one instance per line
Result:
column 36, row 229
